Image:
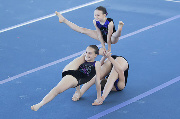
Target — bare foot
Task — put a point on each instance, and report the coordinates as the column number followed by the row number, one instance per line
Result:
column 76, row 96
column 120, row 25
column 61, row 18
column 98, row 101
column 35, row 107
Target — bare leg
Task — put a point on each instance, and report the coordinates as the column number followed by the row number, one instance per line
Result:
column 67, row 82
column 90, row 33
column 116, row 72
column 115, row 36
column 110, row 82
column 74, row 65
column 123, row 65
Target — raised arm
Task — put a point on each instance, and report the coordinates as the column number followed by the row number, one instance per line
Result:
column 102, row 60
column 99, row 35
column 110, row 32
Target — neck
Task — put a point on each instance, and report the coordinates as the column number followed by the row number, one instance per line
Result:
column 90, row 61
column 103, row 21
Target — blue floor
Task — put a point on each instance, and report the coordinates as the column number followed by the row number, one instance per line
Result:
column 153, row 55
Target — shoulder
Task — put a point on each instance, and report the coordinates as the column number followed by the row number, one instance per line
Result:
column 110, row 19
column 111, row 23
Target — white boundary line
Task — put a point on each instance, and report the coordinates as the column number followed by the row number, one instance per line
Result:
column 172, row 0
column 79, row 53
column 50, row 15
column 132, row 100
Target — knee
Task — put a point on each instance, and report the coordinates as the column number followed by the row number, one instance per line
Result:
column 121, row 86
column 114, row 42
column 56, row 90
column 118, row 70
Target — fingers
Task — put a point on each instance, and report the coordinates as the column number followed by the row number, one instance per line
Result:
column 107, row 53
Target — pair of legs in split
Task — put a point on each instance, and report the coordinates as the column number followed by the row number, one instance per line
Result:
column 91, row 33
column 114, row 74
column 67, row 82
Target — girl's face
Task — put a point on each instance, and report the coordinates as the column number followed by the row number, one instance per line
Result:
column 90, row 54
column 99, row 16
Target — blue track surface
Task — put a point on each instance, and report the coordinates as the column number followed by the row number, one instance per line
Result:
column 153, row 55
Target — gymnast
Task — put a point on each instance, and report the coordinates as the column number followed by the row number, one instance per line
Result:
column 105, row 30
column 115, row 69
column 79, row 71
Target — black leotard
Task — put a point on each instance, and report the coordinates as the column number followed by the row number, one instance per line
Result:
column 104, row 28
column 85, row 72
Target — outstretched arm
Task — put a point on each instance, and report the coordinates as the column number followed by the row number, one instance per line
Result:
column 97, row 82
column 102, row 60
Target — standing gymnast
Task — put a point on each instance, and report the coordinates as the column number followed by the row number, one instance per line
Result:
column 79, row 71
column 105, row 30
column 114, row 73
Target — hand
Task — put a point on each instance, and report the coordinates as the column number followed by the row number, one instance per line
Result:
column 101, row 51
column 109, row 50
column 107, row 54
column 104, row 49
column 94, row 22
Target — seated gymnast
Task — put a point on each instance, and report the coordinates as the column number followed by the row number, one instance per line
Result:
column 79, row 71
column 114, row 73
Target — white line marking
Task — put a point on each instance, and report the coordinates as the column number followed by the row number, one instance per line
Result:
column 79, row 53
column 121, row 105
column 151, row 26
column 50, row 15
column 41, row 67
column 172, row 0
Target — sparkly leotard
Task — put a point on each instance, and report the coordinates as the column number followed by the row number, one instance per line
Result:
column 85, row 72
column 104, row 28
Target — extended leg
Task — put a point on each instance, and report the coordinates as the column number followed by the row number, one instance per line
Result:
column 110, row 82
column 90, row 33
column 66, row 83
column 74, row 65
